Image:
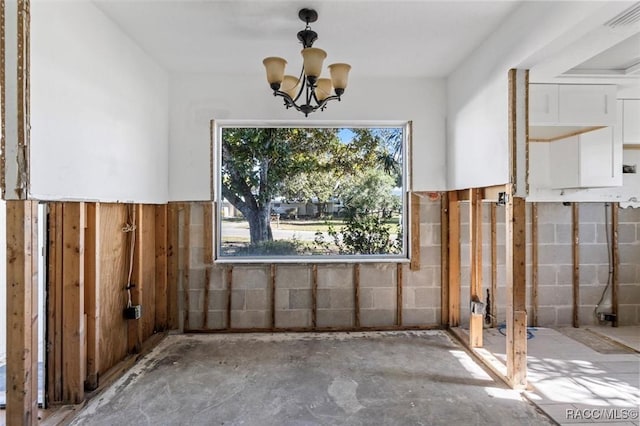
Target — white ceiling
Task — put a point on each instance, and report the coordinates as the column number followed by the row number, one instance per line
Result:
column 378, row 38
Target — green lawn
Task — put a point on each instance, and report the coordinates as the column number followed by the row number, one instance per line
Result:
column 321, row 225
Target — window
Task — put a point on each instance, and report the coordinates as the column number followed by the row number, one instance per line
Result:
column 328, row 193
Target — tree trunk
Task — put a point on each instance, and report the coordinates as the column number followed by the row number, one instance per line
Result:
column 259, row 224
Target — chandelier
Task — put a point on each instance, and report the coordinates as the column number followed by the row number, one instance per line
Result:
column 308, row 92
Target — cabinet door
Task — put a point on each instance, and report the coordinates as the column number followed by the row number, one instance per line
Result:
column 600, row 159
column 543, row 104
column 564, row 161
column 587, row 105
column 631, row 121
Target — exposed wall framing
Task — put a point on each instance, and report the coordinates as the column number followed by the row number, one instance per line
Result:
column 575, row 252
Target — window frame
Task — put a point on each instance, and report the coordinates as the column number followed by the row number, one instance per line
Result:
column 217, row 127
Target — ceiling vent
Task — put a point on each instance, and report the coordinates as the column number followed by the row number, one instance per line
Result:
column 628, row 17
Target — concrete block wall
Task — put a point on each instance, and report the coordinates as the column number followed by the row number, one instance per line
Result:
column 629, row 279
column 251, row 296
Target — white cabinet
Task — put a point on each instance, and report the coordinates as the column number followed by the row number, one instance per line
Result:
column 588, row 160
column 559, row 110
column 629, row 120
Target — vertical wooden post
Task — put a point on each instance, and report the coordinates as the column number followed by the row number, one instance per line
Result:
column 475, row 246
column 356, row 293
column 186, row 262
column 73, row 323
column 92, row 292
column 314, row 296
column 516, row 244
column 161, row 268
column 399, row 294
column 444, row 258
column 616, row 263
column 575, row 244
column 415, row 232
column 54, row 318
column 494, row 269
column 454, row 260
column 534, row 264
column 172, row 266
column 22, row 313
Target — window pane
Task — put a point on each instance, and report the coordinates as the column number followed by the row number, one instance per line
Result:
column 330, row 192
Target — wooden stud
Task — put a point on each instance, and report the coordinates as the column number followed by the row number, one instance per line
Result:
column 616, row 262
column 399, row 294
column 92, row 292
column 492, row 193
column 475, row 246
column 494, row 268
column 415, row 232
column 172, row 266
column 54, row 317
column 73, row 330
column 516, row 292
column 444, row 258
column 314, row 297
column 205, row 303
column 575, row 250
column 229, row 295
column 454, row 260
column 208, row 232
column 161, row 268
column 272, row 285
column 186, row 262
column 22, row 313
column 356, row 293
column 534, row 264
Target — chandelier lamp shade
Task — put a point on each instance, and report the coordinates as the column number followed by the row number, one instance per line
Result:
column 309, row 91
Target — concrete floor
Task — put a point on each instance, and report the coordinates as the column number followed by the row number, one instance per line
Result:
column 420, row 377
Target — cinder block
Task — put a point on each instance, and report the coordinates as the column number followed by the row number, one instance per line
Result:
column 196, row 300
column 336, row 276
column 629, row 253
column 628, row 315
column 593, row 254
column 590, row 295
column 196, row 259
column 377, row 317
column 341, row 298
column 377, row 275
column 586, row 315
column 627, row 233
column 427, row 297
column 430, row 256
column 216, row 278
column 299, row 299
column 298, row 318
column 196, row 278
column 291, row 276
column 564, row 316
column 547, row 316
column 546, row 233
column 628, row 274
column 282, row 299
column 218, row 299
column 366, row 298
column 250, row 277
column 629, row 294
column 554, row 255
column 238, row 300
column 587, row 233
column 592, row 212
column 196, row 236
column 384, row 298
column 565, row 274
column 408, row 298
column 195, row 320
column 553, row 213
column 588, row 274
column 323, row 298
column 629, row 215
column 197, row 214
column 547, row 275
column 564, row 234
column 250, row 319
column 557, row 295
column 257, row 300
column 420, row 278
column 335, row 318
column 426, row 316
column 216, row 320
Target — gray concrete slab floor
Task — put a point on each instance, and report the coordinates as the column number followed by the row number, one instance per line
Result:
column 373, row 378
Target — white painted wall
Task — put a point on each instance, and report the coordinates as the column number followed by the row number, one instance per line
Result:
column 99, row 109
column 477, row 92
column 198, row 98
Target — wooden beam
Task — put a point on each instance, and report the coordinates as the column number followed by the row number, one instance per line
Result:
column 229, row 295
column 208, row 232
column 454, row 260
column 616, row 262
column 516, row 291
column 494, row 268
column 73, row 322
column 575, row 251
column 444, row 258
column 463, row 194
column 492, row 193
column 22, row 313
column 415, row 232
column 356, row 293
column 475, row 256
column 399, row 294
column 54, row 317
column 186, row 262
column 314, row 296
column 161, row 268
column 92, row 292
column 534, row 264
column 172, row 266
